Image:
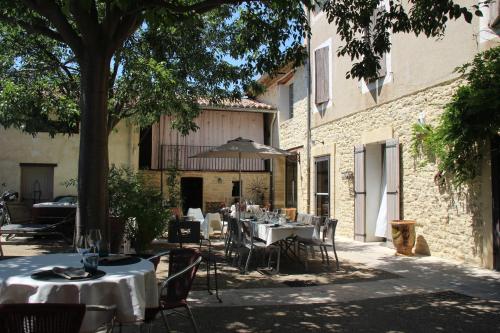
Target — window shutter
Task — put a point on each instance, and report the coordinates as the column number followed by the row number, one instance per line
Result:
column 494, row 13
column 383, row 60
column 322, row 75
column 392, row 165
column 290, row 101
column 359, row 193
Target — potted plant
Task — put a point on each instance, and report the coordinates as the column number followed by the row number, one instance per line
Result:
column 138, row 206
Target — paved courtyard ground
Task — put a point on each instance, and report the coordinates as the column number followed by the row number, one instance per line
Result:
column 374, row 291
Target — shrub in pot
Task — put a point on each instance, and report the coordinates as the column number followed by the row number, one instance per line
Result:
column 139, row 205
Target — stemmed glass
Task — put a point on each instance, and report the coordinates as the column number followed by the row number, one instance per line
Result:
column 82, row 245
column 94, row 239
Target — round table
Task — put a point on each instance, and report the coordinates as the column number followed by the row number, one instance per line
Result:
column 132, row 288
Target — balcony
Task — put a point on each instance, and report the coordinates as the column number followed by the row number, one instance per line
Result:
column 178, row 155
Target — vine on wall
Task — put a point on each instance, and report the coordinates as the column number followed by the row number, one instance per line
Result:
column 458, row 142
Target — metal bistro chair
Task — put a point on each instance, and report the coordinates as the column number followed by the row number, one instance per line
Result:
column 183, row 265
column 48, row 317
column 252, row 243
column 323, row 236
column 189, row 233
column 305, row 243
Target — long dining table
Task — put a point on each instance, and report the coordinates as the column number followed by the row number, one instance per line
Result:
column 274, row 232
column 131, row 287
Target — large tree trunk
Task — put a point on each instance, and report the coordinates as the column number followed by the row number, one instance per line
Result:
column 93, row 163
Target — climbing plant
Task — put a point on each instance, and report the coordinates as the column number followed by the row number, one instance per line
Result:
column 458, row 142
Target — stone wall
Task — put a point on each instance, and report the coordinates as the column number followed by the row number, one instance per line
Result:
column 453, row 224
column 217, row 186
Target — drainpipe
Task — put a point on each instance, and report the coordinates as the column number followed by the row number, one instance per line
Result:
column 308, row 78
column 271, row 178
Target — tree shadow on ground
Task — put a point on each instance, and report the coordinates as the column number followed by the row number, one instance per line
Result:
column 443, row 311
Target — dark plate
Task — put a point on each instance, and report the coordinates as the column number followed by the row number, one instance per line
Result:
column 120, row 262
column 51, row 276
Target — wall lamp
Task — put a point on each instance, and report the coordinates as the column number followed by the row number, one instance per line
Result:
column 314, row 142
column 347, row 175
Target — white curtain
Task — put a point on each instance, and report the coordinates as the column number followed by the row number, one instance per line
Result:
column 381, row 226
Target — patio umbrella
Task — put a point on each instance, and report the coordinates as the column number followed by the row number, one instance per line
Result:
column 242, row 148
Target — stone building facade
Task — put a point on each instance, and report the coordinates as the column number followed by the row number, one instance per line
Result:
column 419, row 81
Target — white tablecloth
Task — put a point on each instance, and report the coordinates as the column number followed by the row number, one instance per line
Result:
column 131, row 288
column 271, row 234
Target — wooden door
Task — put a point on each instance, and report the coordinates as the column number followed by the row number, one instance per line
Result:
column 359, row 193
column 37, row 183
column 393, row 180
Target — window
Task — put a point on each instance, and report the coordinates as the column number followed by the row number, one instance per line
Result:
column 290, row 101
column 382, row 72
column 322, row 75
column 322, row 186
column 494, row 8
column 291, row 182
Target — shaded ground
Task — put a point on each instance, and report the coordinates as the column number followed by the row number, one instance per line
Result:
column 442, row 311
column 292, row 274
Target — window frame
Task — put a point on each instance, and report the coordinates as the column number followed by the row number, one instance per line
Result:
column 319, row 159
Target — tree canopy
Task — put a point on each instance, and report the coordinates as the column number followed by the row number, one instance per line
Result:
column 180, row 52
column 112, row 59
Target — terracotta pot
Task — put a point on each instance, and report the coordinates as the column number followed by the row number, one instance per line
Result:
column 403, row 236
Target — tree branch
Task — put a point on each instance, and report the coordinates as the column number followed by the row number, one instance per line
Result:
column 86, row 20
column 52, row 12
column 199, row 8
column 32, row 28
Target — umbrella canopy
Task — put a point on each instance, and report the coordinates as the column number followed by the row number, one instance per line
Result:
column 243, row 148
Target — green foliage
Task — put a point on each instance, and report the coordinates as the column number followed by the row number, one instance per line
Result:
column 141, row 205
column 171, row 58
column 173, row 188
column 468, row 123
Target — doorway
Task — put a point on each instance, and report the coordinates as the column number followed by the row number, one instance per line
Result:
column 191, row 193
column 376, row 200
column 495, row 188
column 37, row 183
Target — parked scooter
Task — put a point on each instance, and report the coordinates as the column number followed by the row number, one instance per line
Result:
column 4, row 210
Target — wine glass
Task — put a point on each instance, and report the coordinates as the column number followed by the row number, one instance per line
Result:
column 94, row 239
column 81, row 245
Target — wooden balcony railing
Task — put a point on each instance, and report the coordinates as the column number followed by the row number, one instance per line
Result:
column 179, row 155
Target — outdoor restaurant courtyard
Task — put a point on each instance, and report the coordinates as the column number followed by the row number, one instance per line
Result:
column 373, row 291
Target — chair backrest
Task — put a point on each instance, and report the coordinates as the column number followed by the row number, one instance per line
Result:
column 155, row 260
column 41, row 318
column 184, row 232
column 317, row 222
column 329, row 230
column 247, row 230
column 197, row 213
column 214, row 221
column 182, row 267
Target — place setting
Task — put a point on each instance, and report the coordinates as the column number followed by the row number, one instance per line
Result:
column 88, row 247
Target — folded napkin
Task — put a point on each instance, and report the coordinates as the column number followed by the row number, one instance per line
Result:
column 70, row 273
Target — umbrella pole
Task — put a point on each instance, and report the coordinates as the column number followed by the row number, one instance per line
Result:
column 239, row 187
